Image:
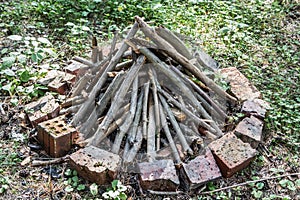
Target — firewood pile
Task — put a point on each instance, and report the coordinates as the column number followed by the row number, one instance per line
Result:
column 149, row 93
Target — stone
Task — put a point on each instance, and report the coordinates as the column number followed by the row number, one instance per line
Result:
column 231, row 154
column 250, row 130
column 56, row 136
column 200, row 170
column 158, row 175
column 254, row 108
column 95, row 164
column 41, row 110
column 240, row 86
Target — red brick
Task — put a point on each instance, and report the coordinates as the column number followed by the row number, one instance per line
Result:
column 200, row 170
column 254, row 108
column 56, row 136
column 96, row 165
column 53, row 74
column 158, row 175
column 43, row 109
column 240, row 86
column 231, row 154
column 76, row 68
column 250, row 130
column 61, row 83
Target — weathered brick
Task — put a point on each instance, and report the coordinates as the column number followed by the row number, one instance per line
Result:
column 61, row 83
column 231, row 154
column 96, row 165
column 158, row 175
column 43, row 109
column 76, row 68
column 250, row 130
column 255, row 108
column 53, row 74
column 200, row 170
column 56, row 136
column 240, row 85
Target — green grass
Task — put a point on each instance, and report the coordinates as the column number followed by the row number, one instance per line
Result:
column 260, row 38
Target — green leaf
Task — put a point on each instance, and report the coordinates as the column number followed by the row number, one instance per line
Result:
column 75, row 173
column 8, row 61
column 44, row 40
column 15, row 37
column 94, row 189
column 69, row 188
column 80, row 187
column 70, row 24
column 14, row 102
column 34, row 57
column 75, row 179
column 68, row 172
column 85, row 28
column 25, row 76
column 50, row 52
column 122, row 196
column 114, row 184
column 260, row 185
column 8, row 72
column 257, row 194
column 283, row 182
column 22, row 59
column 297, row 183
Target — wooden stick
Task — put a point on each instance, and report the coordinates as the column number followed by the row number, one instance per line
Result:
column 171, row 38
column 1, row 109
column 145, row 108
column 113, row 44
column 175, row 125
column 134, row 128
column 205, row 60
column 201, row 92
column 123, row 65
column 165, row 69
column 126, row 125
column 156, row 107
column 36, row 163
column 186, row 111
column 81, row 85
column 131, row 74
column 84, row 61
column 117, row 123
column 250, row 182
column 151, row 154
column 109, row 93
column 135, row 147
column 165, row 127
column 100, row 106
column 72, row 101
column 113, row 62
column 146, row 29
column 72, row 109
column 95, row 51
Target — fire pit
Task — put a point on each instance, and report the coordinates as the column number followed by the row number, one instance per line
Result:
column 152, row 106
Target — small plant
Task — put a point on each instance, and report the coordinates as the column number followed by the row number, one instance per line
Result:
column 257, row 188
column 4, row 184
column 117, row 192
column 17, row 73
column 73, row 181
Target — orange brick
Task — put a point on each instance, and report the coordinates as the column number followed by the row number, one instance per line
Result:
column 56, row 136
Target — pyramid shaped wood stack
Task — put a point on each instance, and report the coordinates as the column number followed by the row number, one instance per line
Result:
column 151, row 91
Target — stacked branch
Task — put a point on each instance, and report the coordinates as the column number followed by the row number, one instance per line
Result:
column 144, row 93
